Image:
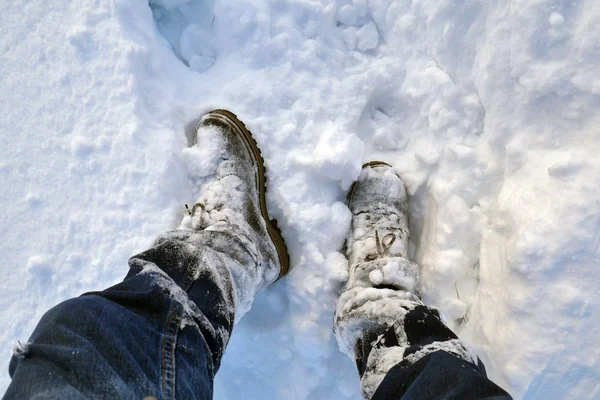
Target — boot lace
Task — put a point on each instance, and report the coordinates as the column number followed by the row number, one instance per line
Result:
column 200, row 219
column 383, row 246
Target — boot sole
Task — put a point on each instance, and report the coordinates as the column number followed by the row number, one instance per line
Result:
column 272, row 228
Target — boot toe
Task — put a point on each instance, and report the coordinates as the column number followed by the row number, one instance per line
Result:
column 377, row 185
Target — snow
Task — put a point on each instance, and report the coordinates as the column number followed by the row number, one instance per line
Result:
column 488, row 110
column 376, row 277
column 347, row 15
column 367, row 37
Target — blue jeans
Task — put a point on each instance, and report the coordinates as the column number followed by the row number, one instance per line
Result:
column 162, row 332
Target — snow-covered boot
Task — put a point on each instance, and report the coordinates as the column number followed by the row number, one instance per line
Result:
column 380, row 275
column 232, row 201
column 379, row 207
column 380, row 320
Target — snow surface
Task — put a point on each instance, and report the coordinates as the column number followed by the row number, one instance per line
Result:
column 489, row 111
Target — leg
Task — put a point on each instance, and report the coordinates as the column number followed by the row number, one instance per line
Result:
column 401, row 347
column 435, row 363
column 163, row 330
column 157, row 333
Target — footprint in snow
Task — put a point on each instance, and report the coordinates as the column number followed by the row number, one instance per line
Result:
column 187, row 26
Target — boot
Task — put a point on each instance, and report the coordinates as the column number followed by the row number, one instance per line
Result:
column 382, row 282
column 379, row 207
column 380, row 320
column 232, row 202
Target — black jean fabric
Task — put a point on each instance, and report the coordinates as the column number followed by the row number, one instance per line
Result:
column 437, row 375
column 162, row 332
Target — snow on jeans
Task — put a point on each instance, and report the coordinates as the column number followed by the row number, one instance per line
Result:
column 401, row 347
column 161, row 334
